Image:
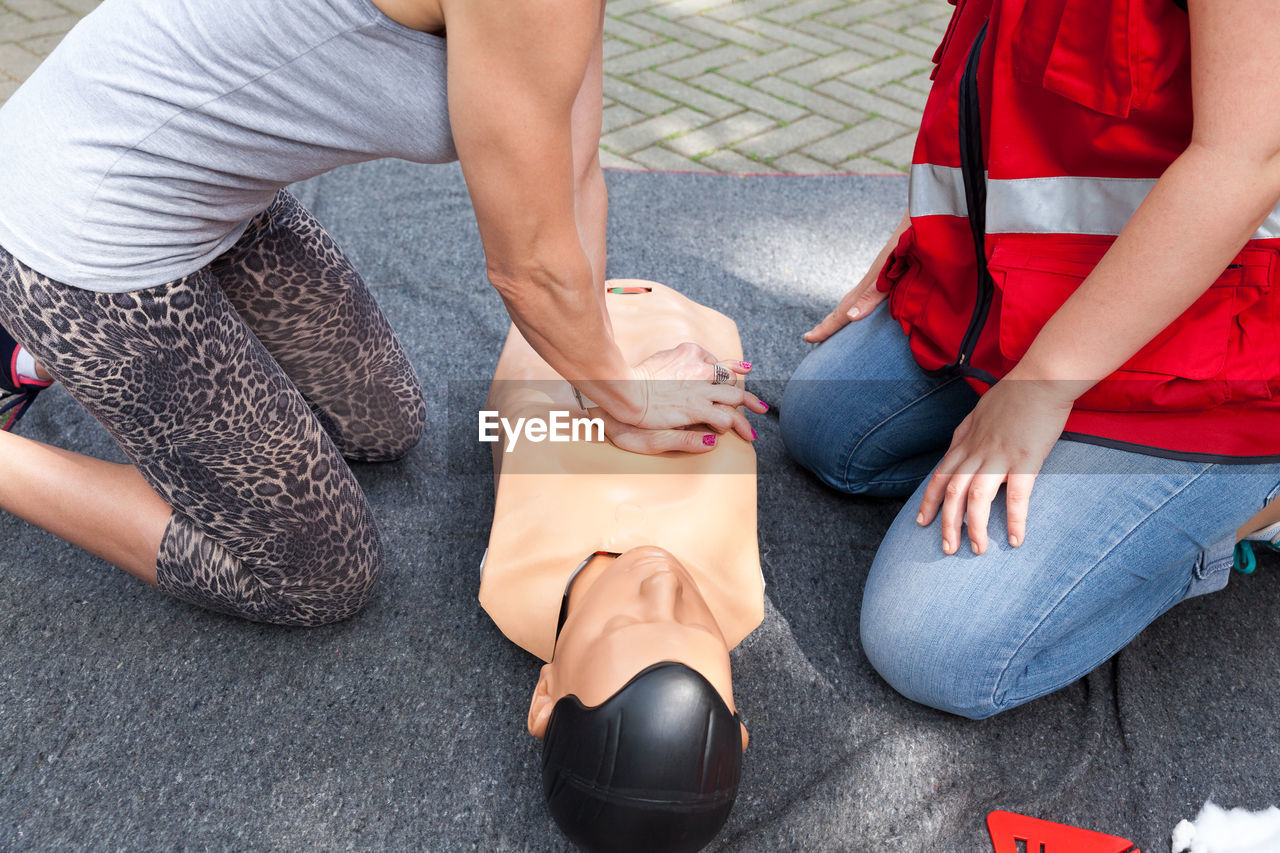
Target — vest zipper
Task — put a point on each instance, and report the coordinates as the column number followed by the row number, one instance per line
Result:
column 973, row 170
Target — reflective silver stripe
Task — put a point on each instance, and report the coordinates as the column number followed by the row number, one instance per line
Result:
column 936, row 191
column 1064, row 205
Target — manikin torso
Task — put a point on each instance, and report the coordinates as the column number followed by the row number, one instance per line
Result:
column 557, row 503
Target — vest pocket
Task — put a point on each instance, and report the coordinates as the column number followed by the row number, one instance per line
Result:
column 1085, row 52
column 908, row 285
column 1221, row 348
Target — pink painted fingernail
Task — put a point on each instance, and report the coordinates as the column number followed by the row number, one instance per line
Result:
column 745, row 365
column 709, row 440
column 766, row 405
column 753, row 434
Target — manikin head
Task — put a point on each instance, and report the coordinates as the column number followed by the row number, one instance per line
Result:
column 642, row 747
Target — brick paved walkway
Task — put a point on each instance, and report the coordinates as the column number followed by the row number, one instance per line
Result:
column 737, row 86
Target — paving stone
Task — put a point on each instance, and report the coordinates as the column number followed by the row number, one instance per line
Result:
column 80, row 7
column 811, row 100
column 733, row 163
column 920, row 82
column 702, row 101
column 650, row 56
column 930, row 31
column 826, row 67
column 755, row 99
column 906, row 16
column 741, row 9
column 42, row 46
column 730, row 33
column 615, row 48
column 35, row 10
column 618, row 116
column 852, row 13
column 678, row 31
column 721, row 134
column 870, row 102
column 661, row 159
column 775, row 143
column 22, row 29
column 618, row 28
column 874, row 31
column 7, row 88
column 621, row 8
column 867, row 166
column 913, row 98
column 885, row 71
column 846, row 38
column 858, row 139
column 705, row 61
column 633, row 96
column 755, row 67
column 796, row 163
column 898, row 152
column 792, row 12
column 712, row 105
column 16, row 62
column 682, row 8
column 786, row 35
column 610, row 160
column 642, row 134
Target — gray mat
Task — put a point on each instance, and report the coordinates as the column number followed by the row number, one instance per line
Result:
column 131, row 721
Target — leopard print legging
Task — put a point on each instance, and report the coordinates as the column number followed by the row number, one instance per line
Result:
column 237, row 391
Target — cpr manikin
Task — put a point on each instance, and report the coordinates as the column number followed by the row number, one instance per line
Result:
column 632, row 576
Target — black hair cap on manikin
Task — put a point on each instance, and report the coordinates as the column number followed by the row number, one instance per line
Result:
column 654, row 769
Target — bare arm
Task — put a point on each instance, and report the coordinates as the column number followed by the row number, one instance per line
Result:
column 590, row 195
column 524, row 104
column 515, row 73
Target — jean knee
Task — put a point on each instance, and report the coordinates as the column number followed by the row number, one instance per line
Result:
column 941, row 660
column 815, row 433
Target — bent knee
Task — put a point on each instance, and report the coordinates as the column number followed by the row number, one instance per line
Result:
column 337, row 592
column 384, row 431
column 813, row 433
column 944, row 663
column 319, row 577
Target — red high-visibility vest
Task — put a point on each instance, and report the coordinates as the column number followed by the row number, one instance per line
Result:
column 1047, row 124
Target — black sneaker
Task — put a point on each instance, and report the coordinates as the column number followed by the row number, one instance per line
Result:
column 16, row 392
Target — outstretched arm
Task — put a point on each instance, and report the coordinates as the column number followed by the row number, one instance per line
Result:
column 522, row 78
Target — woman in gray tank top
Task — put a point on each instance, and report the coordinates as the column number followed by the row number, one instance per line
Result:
column 151, row 261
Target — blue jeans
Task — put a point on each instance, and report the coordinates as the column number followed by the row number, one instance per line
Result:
column 1114, row 538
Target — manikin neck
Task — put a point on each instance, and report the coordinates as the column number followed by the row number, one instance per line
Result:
column 583, row 579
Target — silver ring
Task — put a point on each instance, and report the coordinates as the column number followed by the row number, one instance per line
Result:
column 723, row 376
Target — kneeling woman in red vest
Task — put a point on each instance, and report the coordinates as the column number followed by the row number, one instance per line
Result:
column 1085, row 405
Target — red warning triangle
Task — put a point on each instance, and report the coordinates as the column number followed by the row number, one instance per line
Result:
column 1042, row 836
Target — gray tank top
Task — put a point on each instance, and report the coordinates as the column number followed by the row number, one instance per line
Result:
column 140, row 149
